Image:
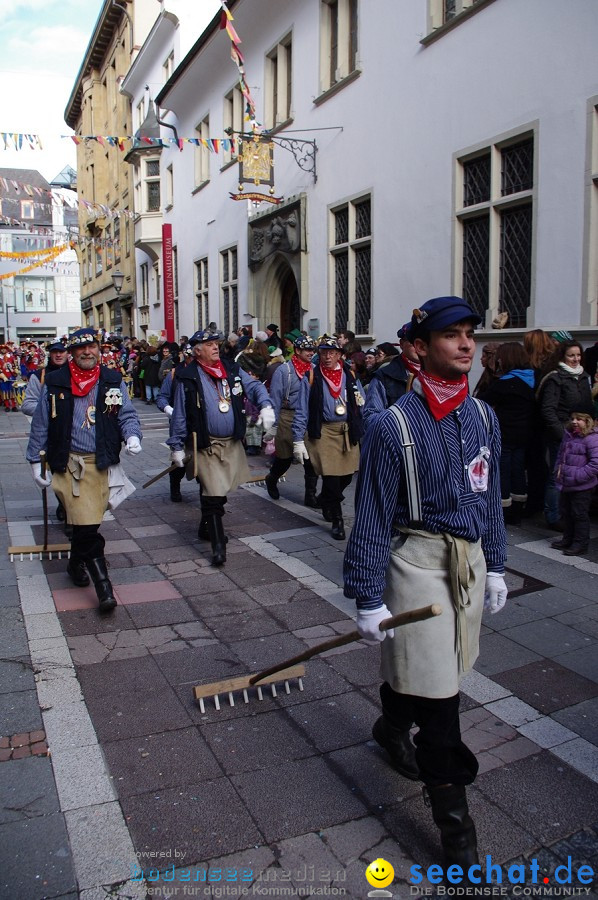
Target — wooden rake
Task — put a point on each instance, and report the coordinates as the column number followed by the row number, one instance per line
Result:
column 45, row 550
column 289, row 668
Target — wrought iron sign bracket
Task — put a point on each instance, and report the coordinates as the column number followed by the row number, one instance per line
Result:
column 304, row 152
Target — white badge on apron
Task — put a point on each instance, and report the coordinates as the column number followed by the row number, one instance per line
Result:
column 478, row 470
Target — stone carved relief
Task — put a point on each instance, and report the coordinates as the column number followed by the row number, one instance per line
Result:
column 278, row 233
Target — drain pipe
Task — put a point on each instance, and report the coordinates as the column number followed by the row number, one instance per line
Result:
column 165, row 124
column 122, row 9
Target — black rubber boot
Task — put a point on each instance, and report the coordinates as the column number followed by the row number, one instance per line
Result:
column 271, row 482
column 217, row 539
column 310, row 499
column 175, row 488
column 76, row 570
column 398, row 745
column 203, row 533
column 326, row 509
column 98, row 570
column 457, row 831
column 338, row 526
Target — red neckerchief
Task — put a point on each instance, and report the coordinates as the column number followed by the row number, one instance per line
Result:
column 301, row 367
column 413, row 367
column 82, row 380
column 442, row 396
column 334, row 380
column 216, row 371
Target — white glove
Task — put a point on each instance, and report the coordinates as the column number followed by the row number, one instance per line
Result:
column 133, row 445
column 266, row 418
column 368, row 624
column 495, row 595
column 42, row 481
column 177, row 457
column 300, row 451
column 168, row 410
column 270, row 434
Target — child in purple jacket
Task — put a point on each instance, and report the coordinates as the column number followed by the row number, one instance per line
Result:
column 576, row 474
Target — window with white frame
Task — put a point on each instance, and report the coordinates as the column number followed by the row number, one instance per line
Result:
column 140, row 113
column 169, row 186
column 279, row 65
column 440, row 12
column 202, row 152
column 108, row 246
column 27, row 209
column 351, row 265
column 116, row 227
column 201, row 293
column 232, row 118
column 229, row 298
column 338, row 41
column 144, row 272
column 168, row 67
column 494, row 222
column 158, row 297
column 591, row 263
column 34, row 294
column 151, row 185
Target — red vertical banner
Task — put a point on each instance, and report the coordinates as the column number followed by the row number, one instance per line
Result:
column 168, row 281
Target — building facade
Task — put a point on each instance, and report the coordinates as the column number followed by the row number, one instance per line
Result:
column 97, row 110
column 37, row 302
column 420, row 149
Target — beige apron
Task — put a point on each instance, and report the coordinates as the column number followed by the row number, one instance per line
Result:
column 428, row 658
column 283, row 442
column 82, row 490
column 333, row 454
column 221, row 467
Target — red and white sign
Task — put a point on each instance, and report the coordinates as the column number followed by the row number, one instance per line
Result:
column 168, row 281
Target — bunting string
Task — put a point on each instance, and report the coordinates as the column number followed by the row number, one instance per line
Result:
column 49, row 257
column 226, row 24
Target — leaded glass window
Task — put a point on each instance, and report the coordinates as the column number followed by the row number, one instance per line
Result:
column 515, row 263
column 363, row 219
column 517, row 172
column 352, row 268
column 476, row 246
column 363, row 292
column 341, row 226
column 476, row 180
column 341, row 292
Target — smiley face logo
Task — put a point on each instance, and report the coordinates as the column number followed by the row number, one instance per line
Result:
column 379, row 873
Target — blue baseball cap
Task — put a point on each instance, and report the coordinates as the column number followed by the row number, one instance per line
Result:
column 58, row 346
column 439, row 313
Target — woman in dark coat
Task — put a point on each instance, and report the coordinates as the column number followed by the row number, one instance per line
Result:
column 511, row 395
column 150, row 366
column 565, row 389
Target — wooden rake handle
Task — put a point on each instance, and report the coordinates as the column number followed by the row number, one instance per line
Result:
column 405, row 618
column 43, row 461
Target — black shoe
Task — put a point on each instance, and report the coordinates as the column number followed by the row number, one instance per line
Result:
column 326, row 511
column 78, row 575
column 398, row 745
column 175, row 495
column 576, row 550
column 98, row 570
column 217, row 539
column 61, row 513
column 310, row 500
column 271, row 487
column 561, row 544
column 457, row 831
column 556, row 526
column 338, row 529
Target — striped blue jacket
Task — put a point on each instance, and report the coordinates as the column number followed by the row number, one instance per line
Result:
column 444, row 450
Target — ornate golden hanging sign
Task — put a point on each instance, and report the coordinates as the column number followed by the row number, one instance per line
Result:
column 256, row 166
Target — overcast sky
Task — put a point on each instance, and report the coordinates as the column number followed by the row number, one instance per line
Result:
column 42, row 43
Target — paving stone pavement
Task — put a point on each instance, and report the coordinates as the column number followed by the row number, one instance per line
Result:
column 113, row 783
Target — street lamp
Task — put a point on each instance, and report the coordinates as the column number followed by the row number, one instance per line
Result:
column 117, row 281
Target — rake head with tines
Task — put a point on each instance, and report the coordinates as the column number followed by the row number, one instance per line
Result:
column 290, row 668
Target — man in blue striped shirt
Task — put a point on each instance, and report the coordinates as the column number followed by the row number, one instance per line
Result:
column 449, row 548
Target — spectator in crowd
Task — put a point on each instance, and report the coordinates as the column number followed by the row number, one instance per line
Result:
column 576, row 478
column 150, row 366
column 273, row 340
column 565, row 389
column 540, row 347
column 488, row 363
column 511, row 395
column 169, row 354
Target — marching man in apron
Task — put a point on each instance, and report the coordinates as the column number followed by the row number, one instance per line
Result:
column 429, row 528
column 83, row 416
column 284, row 392
column 329, row 408
column 208, row 425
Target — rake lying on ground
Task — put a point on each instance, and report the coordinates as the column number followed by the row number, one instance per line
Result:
column 45, row 550
column 289, row 668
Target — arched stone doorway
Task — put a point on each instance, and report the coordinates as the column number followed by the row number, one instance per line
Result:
column 279, row 300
